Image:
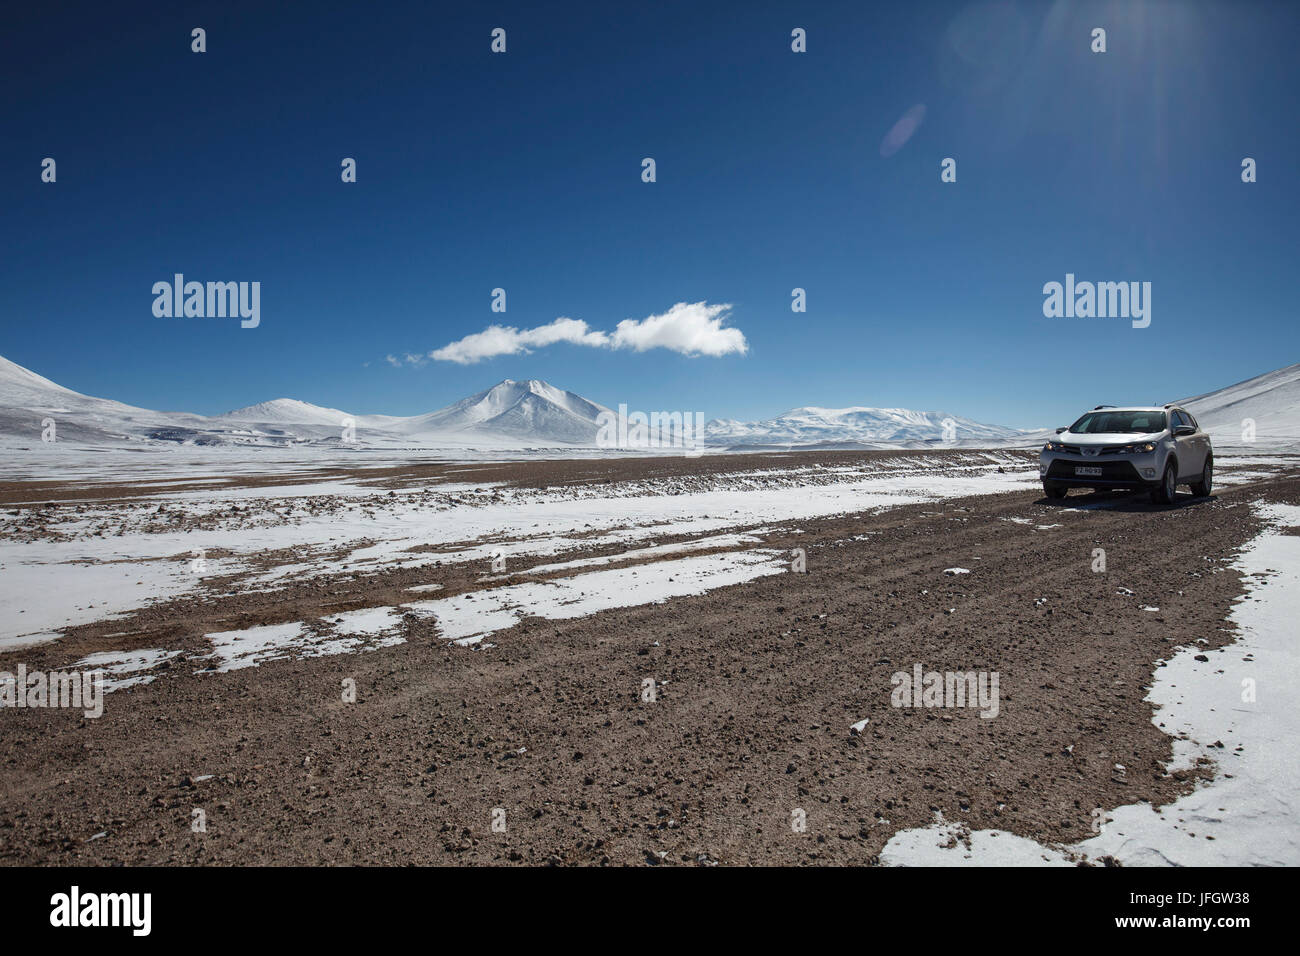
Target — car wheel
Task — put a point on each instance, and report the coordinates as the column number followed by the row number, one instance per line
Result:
column 1163, row 494
column 1053, row 490
column 1203, row 487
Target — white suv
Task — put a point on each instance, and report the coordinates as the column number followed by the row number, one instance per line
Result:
column 1155, row 448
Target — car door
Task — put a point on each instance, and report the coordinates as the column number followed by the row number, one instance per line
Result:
column 1190, row 457
column 1202, row 442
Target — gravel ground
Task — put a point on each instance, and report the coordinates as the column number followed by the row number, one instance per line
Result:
column 757, row 687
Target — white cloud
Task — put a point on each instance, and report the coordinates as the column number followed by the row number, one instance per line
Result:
column 692, row 328
column 689, row 328
column 508, row 340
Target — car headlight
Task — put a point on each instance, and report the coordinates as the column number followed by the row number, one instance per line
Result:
column 1053, row 446
column 1141, row 448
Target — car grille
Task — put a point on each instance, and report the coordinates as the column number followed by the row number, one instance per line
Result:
column 1077, row 450
column 1110, row 471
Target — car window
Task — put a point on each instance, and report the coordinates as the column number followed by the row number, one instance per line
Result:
column 1120, row 422
column 1180, row 419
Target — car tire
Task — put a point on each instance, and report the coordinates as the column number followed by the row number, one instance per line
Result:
column 1203, row 487
column 1163, row 493
column 1053, row 490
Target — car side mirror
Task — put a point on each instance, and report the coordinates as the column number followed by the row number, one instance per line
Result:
column 1063, row 428
column 1184, row 430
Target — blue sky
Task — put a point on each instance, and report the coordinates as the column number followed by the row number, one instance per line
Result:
column 523, row 171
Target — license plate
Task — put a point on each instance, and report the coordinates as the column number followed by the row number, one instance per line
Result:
column 1087, row 472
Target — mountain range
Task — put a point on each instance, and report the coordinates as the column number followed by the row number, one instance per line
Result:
column 533, row 414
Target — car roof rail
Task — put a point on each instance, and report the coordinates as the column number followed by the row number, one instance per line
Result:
column 1105, row 406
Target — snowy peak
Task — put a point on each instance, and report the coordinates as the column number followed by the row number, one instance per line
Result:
column 509, row 393
column 286, row 411
column 1263, row 411
column 856, row 424
column 495, row 401
column 532, row 410
column 18, row 383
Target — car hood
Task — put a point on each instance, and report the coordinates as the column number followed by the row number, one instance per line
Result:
column 1108, row 438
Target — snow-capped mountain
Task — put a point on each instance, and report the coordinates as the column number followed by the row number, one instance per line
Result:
column 19, row 386
column 285, row 411
column 508, row 415
column 523, row 410
column 858, row 425
column 28, row 400
column 1270, row 401
column 533, row 414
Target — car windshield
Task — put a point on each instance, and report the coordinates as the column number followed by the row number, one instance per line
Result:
column 1119, row 423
